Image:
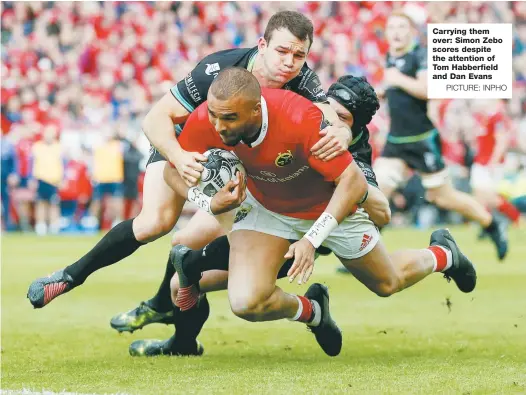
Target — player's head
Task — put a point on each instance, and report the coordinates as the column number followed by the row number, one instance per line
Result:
column 234, row 105
column 345, row 95
column 400, row 31
column 285, row 45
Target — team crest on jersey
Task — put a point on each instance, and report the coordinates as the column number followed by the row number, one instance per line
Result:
column 212, row 68
column 284, row 158
column 242, row 212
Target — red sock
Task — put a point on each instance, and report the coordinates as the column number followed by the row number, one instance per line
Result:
column 441, row 257
column 307, row 312
column 187, row 297
column 508, row 209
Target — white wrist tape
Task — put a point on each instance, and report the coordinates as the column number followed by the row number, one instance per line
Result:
column 200, row 199
column 321, row 229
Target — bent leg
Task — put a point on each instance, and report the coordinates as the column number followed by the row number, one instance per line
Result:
column 255, row 259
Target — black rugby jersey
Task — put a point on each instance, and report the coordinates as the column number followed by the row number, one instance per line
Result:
column 408, row 114
column 193, row 90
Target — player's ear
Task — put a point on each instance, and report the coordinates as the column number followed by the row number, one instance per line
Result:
column 256, row 111
column 262, row 44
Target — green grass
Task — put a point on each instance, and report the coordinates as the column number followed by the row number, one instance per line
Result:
column 409, row 343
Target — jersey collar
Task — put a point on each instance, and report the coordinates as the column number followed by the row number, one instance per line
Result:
column 264, row 124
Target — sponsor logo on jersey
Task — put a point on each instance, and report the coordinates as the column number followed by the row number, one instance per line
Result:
column 212, row 69
column 284, row 158
column 192, row 89
column 271, row 177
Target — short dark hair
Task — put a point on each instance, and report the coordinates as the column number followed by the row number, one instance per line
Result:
column 298, row 24
column 234, row 81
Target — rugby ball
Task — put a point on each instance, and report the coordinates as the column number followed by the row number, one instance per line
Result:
column 221, row 167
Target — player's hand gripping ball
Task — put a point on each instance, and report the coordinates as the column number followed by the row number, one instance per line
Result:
column 221, row 167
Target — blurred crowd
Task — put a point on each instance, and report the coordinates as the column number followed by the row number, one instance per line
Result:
column 80, row 76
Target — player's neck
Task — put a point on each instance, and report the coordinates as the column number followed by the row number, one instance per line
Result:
column 256, row 132
column 260, row 73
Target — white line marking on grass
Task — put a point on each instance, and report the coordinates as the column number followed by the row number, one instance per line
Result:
column 46, row 392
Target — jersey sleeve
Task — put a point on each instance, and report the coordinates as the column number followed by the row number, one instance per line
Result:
column 196, row 136
column 308, row 85
column 193, row 90
column 421, row 59
column 313, row 122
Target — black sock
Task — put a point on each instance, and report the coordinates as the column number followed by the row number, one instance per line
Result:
column 188, row 325
column 162, row 301
column 214, row 256
column 116, row 245
column 492, row 227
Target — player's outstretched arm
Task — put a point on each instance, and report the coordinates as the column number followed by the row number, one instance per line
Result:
column 158, row 125
column 351, row 188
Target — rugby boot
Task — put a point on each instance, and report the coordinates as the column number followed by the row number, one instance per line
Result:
column 139, row 317
column 184, row 342
column 152, row 348
column 43, row 290
column 327, row 333
column 462, row 271
column 177, row 255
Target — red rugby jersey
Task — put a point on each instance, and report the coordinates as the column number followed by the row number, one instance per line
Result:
column 283, row 174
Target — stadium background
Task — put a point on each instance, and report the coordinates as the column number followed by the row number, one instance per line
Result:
column 90, row 71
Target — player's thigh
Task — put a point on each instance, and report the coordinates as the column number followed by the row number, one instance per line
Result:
column 374, row 269
column 161, row 206
column 390, row 173
column 199, row 231
column 255, row 259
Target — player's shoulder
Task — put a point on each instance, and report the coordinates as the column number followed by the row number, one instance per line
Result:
column 287, row 109
column 227, row 57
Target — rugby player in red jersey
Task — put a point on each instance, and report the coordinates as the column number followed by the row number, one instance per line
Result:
column 301, row 198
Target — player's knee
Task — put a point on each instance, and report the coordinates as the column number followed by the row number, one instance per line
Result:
column 174, row 287
column 148, row 227
column 437, row 196
column 184, row 238
column 388, row 287
column 247, row 307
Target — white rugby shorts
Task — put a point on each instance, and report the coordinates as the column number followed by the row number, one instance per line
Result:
column 352, row 239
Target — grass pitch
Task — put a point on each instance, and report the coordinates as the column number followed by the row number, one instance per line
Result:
column 429, row 339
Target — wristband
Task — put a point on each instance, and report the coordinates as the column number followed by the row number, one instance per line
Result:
column 321, row 229
column 364, row 197
column 200, row 199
